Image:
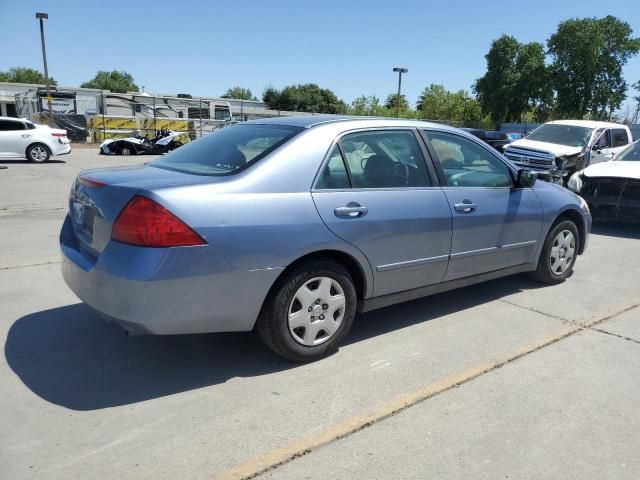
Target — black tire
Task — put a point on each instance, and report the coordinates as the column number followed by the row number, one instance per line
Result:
column 273, row 323
column 126, row 150
column 548, row 270
column 38, row 152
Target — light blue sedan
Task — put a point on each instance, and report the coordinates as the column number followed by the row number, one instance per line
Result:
column 292, row 225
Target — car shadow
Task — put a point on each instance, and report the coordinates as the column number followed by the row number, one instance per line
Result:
column 616, row 229
column 26, row 162
column 71, row 357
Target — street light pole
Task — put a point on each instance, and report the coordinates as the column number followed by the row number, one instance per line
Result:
column 43, row 16
column 400, row 71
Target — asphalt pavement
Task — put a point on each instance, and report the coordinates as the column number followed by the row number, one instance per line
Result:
column 506, row 379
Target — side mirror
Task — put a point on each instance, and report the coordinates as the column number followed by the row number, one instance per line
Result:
column 526, row 179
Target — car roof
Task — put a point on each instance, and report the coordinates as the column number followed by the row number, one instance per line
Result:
column 588, row 123
column 310, row 121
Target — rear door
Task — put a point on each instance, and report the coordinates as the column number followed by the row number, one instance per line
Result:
column 495, row 225
column 377, row 193
column 14, row 138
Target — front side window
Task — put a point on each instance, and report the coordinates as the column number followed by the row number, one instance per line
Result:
column 385, row 159
column 560, row 134
column 228, row 150
column 604, row 141
column 619, row 137
column 467, row 164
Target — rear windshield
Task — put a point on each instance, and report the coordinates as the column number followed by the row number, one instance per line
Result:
column 631, row 154
column 228, row 150
column 557, row 133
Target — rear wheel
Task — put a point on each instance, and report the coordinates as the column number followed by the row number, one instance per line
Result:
column 125, row 150
column 558, row 254
column 309, row 312
column 38, row 153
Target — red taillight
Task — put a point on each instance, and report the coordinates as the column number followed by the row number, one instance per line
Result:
column 148, row 224
column 90, row 182
column 53, row 134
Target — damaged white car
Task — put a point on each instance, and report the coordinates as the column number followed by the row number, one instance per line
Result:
column 612, row 189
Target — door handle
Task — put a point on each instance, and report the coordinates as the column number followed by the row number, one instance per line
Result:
column 352, row 210
column 25, row 135
column 465, row 207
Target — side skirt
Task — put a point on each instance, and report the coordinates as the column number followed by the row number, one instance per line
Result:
column 407, row 295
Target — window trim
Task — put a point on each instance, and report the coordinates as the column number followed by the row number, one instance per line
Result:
column 424, row 132
column 434, row 181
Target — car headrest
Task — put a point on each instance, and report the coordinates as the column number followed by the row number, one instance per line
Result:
column 231, row 157
column 377, row 164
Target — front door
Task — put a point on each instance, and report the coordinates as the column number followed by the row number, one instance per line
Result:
column 375, row 192
column 495, row 226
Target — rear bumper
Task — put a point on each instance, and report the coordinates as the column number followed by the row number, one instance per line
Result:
column 165, row 291
column 62, row 149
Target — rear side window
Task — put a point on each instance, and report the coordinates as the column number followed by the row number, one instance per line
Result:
column 10, row 125
column 334, row 175
column 384, row 159
column 228, row 150
column 619, row 137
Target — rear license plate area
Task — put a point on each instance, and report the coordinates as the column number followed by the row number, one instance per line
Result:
column 82, row 217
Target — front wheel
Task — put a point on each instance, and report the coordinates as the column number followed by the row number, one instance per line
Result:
column 309, row 312
column 558, row 254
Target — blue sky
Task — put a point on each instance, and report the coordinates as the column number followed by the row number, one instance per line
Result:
column 205, row 47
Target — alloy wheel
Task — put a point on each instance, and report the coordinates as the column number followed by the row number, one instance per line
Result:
column 38, row 153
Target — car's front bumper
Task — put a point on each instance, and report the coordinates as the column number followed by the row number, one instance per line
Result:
column 165, row 291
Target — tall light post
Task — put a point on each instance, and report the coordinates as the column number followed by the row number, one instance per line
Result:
column 43, row 16
column 400, row 71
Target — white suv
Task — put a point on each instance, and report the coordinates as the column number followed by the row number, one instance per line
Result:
column 20, row 138
column 558, row 149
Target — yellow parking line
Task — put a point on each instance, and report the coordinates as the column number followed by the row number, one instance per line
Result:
column 280, row 456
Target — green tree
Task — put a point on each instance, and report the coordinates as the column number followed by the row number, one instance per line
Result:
column 304, row 98
column 392, row 100
column 366, row 106
column 239, row 93
column 587, row 59
column 114, row 80
column 636, row 114
column 516, row 81
column 459, row 108
column 24, row 75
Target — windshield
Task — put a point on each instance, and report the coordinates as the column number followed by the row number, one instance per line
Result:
column 631, row 154
column 570, row 135
column 228, row 150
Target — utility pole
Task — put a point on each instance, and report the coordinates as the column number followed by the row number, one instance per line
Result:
column 400, row 71
column 43, row 16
